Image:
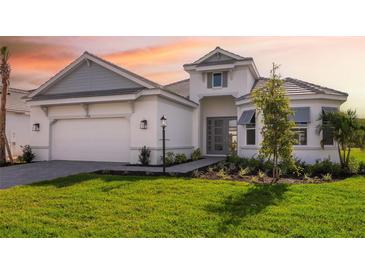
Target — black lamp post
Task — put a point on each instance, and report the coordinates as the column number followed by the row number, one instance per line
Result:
column 163, row 125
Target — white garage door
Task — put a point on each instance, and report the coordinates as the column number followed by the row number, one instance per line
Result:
column 104, row 139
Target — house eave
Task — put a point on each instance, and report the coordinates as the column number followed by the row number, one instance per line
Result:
column 114, row 98
column 301, row 96
column 248, row 63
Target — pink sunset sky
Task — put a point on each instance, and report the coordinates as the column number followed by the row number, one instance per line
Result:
column 335, row 62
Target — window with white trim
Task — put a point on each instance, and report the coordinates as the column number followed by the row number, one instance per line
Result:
column 217, row 80
column 251, row 132
column 300, row 134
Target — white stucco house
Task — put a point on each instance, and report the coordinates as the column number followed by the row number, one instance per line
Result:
column 17, row 121
column 93, row 110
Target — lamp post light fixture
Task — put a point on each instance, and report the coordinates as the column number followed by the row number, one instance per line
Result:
column 163, row 125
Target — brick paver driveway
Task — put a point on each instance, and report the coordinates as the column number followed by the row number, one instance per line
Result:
column 40, row 171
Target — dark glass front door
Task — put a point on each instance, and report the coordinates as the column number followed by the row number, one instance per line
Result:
column 221, row 135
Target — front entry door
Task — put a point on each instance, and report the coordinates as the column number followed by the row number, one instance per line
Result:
column 221, row 135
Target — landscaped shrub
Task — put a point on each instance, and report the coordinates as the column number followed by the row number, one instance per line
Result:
column 261, row 175
column 254, row 180
column 353, row 166
column 295, row 169
column 234, row 159
column 170, row 158
column 362, row 167
column 323, row 167
column 327, row 177
column 28, row 155
column 144, row 156
column 252, row 163
column 180, row 158
column 196, row 155
column 196, row 173
column 222, row 174
column 221, row 165
column 232, row 168
column 244, row 172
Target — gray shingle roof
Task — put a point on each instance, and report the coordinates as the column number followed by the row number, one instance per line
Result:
column 180, row 87
column 295, row 86
column 14, row 101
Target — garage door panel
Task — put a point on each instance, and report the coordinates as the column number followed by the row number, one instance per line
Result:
column 104, row 139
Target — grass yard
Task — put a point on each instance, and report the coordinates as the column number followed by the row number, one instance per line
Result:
column 91, row 205
column 358, row 154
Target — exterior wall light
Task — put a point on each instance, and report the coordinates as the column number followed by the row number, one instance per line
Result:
column 36, row 127
column 143, row 124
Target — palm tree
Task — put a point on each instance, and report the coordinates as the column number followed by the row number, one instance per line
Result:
column 5, row 79
column 346, row 129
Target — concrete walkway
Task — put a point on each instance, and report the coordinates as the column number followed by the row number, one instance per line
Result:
column 41, row 171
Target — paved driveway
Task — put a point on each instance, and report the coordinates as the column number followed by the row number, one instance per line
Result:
column 40, row 171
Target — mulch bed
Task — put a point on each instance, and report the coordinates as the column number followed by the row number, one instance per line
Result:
column 264, row 180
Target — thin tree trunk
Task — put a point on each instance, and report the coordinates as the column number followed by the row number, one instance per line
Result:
column 2, row 122
column 348, row 156
column 9, row 150
column 5, row 78
column 339, row 154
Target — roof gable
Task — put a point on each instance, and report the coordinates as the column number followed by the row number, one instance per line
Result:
column 219, row 55
column 91, row 73
column 90, row 76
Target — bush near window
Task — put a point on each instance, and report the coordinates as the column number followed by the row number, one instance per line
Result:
column 196, row 155
column 28, row 155
column 144, row 156
column 180, row 158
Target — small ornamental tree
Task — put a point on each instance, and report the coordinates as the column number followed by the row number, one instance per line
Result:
column 347, row 130
column 278, row 138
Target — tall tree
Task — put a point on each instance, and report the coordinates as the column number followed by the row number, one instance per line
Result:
column 278, row 137
column 346, row 129
column 5, row 80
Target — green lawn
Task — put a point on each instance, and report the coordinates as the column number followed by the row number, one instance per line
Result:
column 358, row 154
column 91, row 205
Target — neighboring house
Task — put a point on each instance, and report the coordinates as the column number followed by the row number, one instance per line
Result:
column 17, row 121
column 96, row 111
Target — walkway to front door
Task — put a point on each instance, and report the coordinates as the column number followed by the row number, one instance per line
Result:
column 221, row 135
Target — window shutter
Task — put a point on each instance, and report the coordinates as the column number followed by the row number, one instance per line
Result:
column 225, row 80
column 209, row 80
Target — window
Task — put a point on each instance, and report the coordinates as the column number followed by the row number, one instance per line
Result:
column 327, row 135
column 217, row 80
column 232, row 133
column 251, row 132
column 300, row 136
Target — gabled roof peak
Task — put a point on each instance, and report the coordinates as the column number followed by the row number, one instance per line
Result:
column 104, row 63
column 222, row 51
